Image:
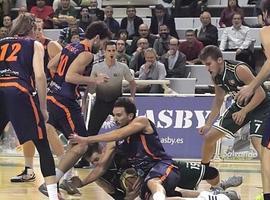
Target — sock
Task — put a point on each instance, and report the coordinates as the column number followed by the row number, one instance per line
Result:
column 68, row 175
column 206, row 164
column 52, row 191
column 59, row 174
column 159, row 196
column 28, row 162
column 266, row 196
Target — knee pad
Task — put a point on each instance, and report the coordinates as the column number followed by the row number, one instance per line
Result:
column 210, row 173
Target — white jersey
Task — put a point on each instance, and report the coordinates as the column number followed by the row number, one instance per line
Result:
column 210, row 196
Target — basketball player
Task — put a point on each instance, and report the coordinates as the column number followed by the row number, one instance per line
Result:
column 23, row 88
column 247, row 91
column 64, row 111
column 51, row 49
column 110, row 164
column 227, row 77
column 138, row 139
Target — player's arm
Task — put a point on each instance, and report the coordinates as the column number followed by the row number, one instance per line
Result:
column 75, row 72
column 52, row 65
column 247, row 91
column 216, row 105
column 102, row 165
column 246, row 76
column 137, row 125
column 40, row 77
column 54, row 48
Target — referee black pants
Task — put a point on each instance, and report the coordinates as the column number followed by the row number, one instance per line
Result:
column 99, row 114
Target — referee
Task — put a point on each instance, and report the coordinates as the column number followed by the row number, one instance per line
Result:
column 108, row 92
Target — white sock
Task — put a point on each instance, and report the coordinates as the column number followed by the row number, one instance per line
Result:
column 159, row 196
column 28, row 162
column 52, row 191
column 59, row 174
column 68, row 175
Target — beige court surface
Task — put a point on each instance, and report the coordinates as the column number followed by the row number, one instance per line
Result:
column 10, row 166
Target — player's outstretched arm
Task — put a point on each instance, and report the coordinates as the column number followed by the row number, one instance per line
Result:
column 137, row 125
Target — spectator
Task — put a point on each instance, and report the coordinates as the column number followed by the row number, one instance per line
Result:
column 64, row 14
column 191, row 48
column 208, row 33
column 151, row 70
column 65, row 33
column 3, row 32
column 144, row 32
column 7, row 22
column 123, row 59
column 137, row 60
column 237, row 38
column 44, row 12
column 95, row 13
column 227, row 13
column 259, row 14
column 5, row 6
column 174, row 61
column 123, row 35
column 85, row 19
column 75, row 37
column 131, row 23
column 57, row 4
column 161, row 44
column 121, row 50
column 160, row 17
column 111, row 22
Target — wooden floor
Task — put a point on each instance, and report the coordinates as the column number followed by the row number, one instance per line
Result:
column 10, row 166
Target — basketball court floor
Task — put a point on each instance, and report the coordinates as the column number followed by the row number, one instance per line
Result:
column 10, row 166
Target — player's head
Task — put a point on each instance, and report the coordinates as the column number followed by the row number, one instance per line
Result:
column 93, row 153
column 212, row 58
column 110, row 50
column 24, row 25
column 124, row 111
column 99, row 33
column 265, row 6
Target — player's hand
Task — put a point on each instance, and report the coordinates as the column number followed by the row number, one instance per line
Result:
column 45, row 114
column 204, row 129
column 244, row 94
column 239, row 117
column 77, row 182
column 101, row 78
column 75, row 139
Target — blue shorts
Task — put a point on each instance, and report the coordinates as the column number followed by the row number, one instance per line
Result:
column 167, row 173
column 65, row 115
column 21, row 108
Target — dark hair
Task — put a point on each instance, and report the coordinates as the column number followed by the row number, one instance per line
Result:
column 109, row 43
column 265, row 6
column 131, row 6
column 210, row 51
column 159, row 7
column 83, row 7
column 237, row 4
column 98, row 28
column 120, row 32
column 92, row 148
column 190, row 31
column 126, row 103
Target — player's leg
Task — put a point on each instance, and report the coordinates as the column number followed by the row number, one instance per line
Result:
column 27, row 174
column 209, row 144
column 256, row 142
column 265, row 157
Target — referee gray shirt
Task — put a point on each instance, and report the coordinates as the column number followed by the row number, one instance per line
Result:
column 112, row 89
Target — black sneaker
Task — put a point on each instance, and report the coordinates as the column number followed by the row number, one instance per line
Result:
column 27, row 175
column 43, row 189
column 68, row 186
column 83, row 163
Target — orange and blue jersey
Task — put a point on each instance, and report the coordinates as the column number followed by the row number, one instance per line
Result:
column 144, row 150
column 16, row 60
column 58, row 85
